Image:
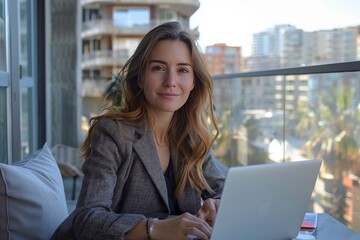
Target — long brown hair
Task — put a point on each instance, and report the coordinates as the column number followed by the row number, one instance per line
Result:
column 189, row 130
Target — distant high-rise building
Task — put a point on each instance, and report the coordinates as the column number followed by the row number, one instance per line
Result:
column 111, row 32
column 336, row 45
column 268, row 47
column 285, row 46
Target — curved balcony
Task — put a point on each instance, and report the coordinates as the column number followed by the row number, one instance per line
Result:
column 93, row 87
column 101, row 27
column 185, row 7
column 104, row 58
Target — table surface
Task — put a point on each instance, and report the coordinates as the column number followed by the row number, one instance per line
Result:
column 331, row 229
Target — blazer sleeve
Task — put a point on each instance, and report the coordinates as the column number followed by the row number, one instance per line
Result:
column 95, row 217
column 215, row 174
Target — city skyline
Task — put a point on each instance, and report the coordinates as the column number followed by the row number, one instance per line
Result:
column 209, row 20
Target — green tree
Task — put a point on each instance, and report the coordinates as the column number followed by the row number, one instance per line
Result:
column 332, row 127
column 114, row 91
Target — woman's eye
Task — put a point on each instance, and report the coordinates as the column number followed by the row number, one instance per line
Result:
column 183, row 70
column 158, row 68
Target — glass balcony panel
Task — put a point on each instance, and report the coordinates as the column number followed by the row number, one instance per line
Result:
column 266, row 119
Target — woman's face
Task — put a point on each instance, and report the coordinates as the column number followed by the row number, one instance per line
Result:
column 169, row 77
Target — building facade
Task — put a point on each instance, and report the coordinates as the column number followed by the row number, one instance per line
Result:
column 285, row 46
column 223, row 59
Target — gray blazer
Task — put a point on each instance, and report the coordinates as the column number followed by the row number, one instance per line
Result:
column 123, row 184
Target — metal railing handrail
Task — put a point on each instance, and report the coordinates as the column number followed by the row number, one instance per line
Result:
column 352, row 66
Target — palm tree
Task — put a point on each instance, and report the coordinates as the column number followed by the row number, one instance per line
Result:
column 114, row 91
column 334, row 137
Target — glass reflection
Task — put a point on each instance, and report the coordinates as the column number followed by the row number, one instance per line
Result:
column 25, row 38
column 3, row 127
column 26, row 81
column 26, row 120
column 2, row 37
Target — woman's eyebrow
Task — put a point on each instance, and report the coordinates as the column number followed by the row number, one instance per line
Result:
column 184, row 64
column 163, row 62
column 157, row 61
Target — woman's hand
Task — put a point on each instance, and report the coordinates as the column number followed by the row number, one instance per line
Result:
column 208, row 210
column 180, row 227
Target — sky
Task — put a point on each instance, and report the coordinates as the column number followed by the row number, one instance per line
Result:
column 234, row 21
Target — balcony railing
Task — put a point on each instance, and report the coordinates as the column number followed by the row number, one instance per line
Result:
column 94, row 87
column 100, row 27
column 110, row 27
column 185, row 7
column 292, row 114
column 102, row 58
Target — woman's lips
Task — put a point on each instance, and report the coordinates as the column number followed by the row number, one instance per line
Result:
column 169, row 95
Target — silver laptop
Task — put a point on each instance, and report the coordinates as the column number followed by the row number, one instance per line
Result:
column 266, row 201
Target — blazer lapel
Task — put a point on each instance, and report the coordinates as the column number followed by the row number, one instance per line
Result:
column 146, row 149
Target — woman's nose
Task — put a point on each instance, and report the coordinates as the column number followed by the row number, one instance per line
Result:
column 170, row 79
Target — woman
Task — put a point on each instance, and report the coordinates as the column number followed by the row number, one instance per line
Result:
column 149, row 172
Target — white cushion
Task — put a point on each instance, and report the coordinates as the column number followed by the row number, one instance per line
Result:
column 32, row 198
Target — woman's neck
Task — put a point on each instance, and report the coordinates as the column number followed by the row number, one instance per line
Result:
column 160, row 129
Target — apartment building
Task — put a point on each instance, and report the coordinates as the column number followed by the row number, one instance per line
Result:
column 111, row 31
column 268, row 47
column 223, row 59
column 285, row 46
column 336, row 45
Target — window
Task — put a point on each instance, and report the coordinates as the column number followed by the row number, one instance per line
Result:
column 166, row 14
column 3, row 119
column 27, row 84
column 4, row 85
column 131, row 17
column 18, row 118
column 2, row 37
